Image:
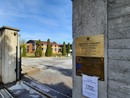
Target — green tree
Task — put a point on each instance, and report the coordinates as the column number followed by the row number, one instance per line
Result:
column 23, row 47
column 64, row 49
column 38, row 52
column 22, row 42
column 68, row 48
column 49, row 49
column 24, row 51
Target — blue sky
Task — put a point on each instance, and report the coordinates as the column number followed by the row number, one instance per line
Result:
column 39, row 19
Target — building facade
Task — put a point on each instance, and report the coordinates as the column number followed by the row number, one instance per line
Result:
column 31, row 46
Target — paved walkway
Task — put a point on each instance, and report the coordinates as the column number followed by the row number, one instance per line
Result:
column 55, row 73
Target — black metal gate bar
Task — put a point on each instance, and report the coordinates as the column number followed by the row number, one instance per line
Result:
column 20, row 61
column 16, row 70
column 18, row 64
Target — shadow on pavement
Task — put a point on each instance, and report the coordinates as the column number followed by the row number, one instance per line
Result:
column 59, row 87
column 66, row 72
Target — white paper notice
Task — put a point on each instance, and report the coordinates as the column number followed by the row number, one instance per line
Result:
column 90, row 86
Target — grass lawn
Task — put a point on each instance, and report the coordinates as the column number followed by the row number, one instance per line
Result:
column 30, row 55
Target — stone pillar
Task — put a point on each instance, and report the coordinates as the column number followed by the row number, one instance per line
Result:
column 8, row 43
column 0, row 56
column 89, row 19
column 112, row 19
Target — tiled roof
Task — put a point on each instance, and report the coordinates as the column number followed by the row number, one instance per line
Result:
column 43, row 42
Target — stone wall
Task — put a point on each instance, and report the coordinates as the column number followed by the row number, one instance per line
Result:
column 111, row 18
column 0, row 56
column 89, row 18
column 118, row 48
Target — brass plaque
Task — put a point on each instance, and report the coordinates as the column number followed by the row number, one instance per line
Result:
column 90, row 66
column 90, row 46
column 90, row 56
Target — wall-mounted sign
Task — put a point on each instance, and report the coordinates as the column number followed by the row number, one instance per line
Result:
column 90, row 86
column 90, row 46
column 90, row 56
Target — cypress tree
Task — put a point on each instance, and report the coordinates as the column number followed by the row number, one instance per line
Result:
column 64, row 49
column 49, row 49
column 38, row 52
column 68, row 48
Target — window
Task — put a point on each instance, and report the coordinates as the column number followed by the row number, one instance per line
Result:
column 33, row 44
column 27, row 47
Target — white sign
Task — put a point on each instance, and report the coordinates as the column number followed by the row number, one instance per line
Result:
column 90, row 86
